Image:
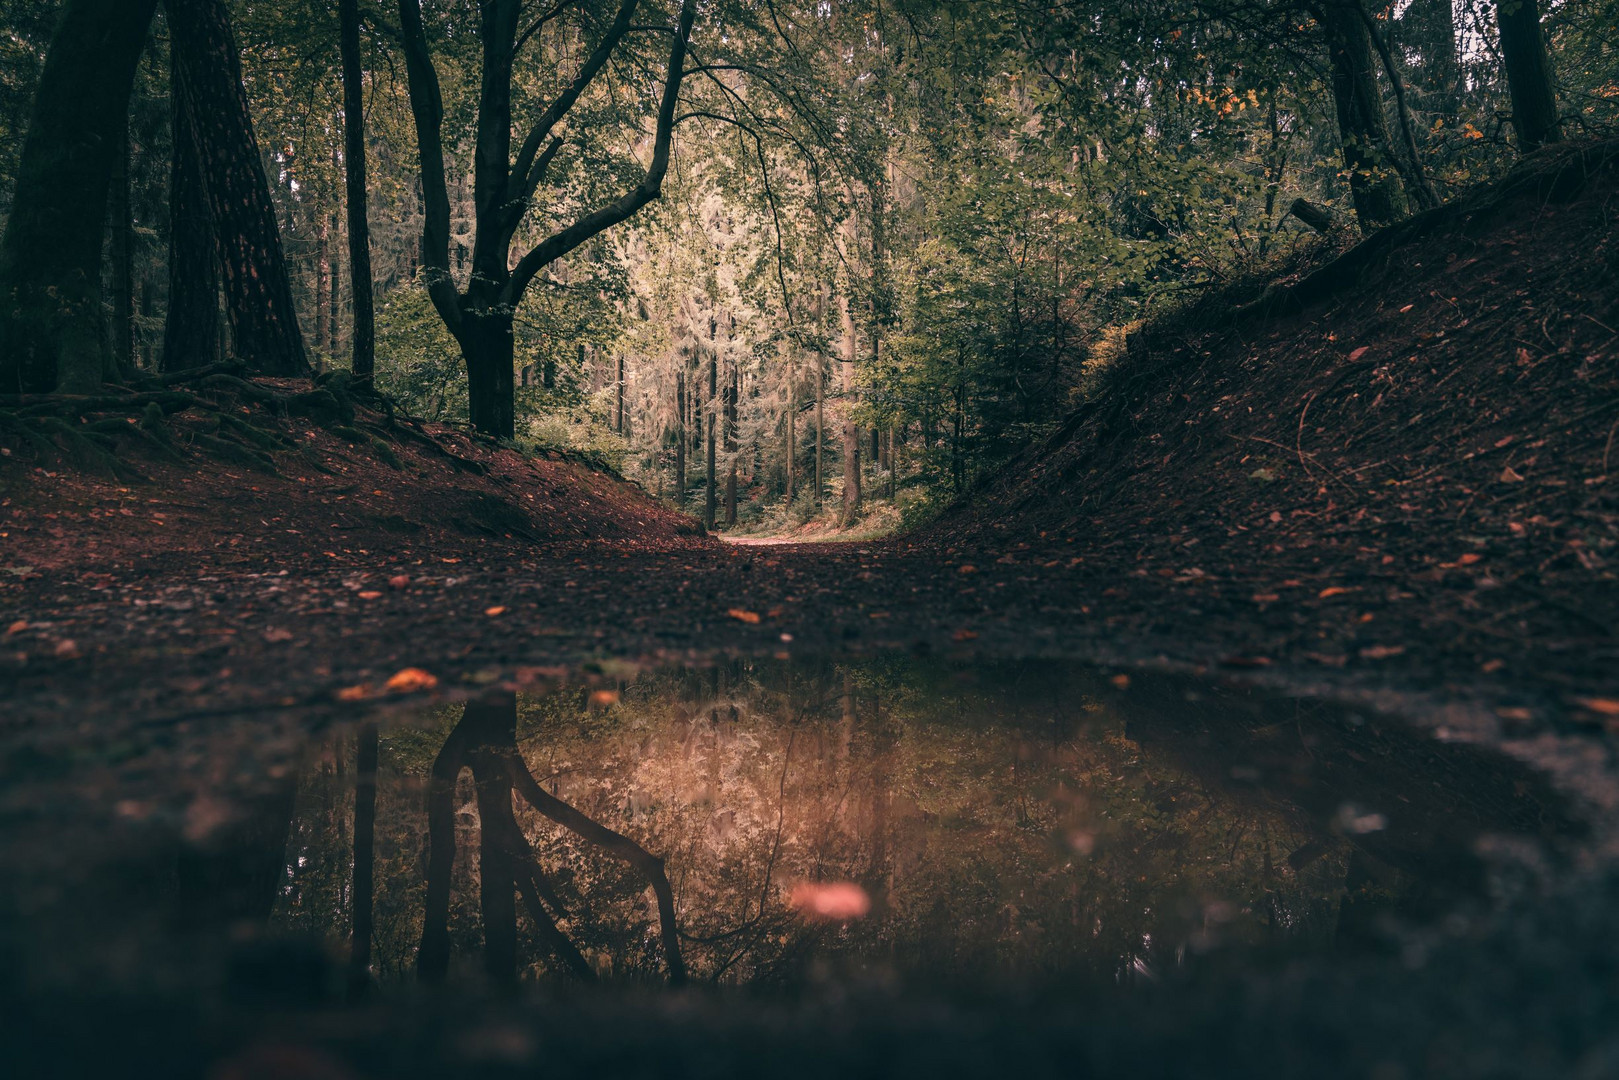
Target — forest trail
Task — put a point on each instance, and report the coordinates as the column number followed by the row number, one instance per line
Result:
column 1473, row 560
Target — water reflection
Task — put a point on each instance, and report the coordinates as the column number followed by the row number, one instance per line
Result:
column 782, row 824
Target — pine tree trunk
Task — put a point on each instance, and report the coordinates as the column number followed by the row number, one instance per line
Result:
column 820, row 429
column 258, row 291
column 51, row 333
column 334, row 297
column 122, row 254
column 1374, row 181
column 191, row 328
column 363, row 337
column 791, row 472
column 1529, row 73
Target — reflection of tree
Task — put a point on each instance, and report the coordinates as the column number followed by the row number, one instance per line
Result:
column 486, row 741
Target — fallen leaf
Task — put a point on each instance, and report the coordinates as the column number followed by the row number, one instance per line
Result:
column 1265, row 598
column 1121, row 681
column 965, row 635
column 1515, row 712
column 600, row 699
column 1490, row 667
column 17, row 627
column 354, row 693
column 1602, row 706
column 1407, row 308
column 1358, row 353
column 1381, row 652
column 67, row 649
column 832, row 901
column 967, row 569
column 1333, row 590
column 410, row 680
column 275, row 634
column 1510, row 476
column 496, row 610
column 1469, row 559
column 370, row 594
column 741, row 615
column 399, row 581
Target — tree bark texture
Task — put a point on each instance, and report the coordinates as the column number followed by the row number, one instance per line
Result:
column 50, row 256
column 1529, row 73
column 191, row 328
column 258, row 291
column 1374, row 181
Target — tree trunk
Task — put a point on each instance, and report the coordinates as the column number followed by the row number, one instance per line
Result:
column 710, row 495
column 50, row 256
column 491, row 728
column 1529, row 73
column 365, row 825
column 191, row 328
column 258, row 291
column 364, row 335
column 732, row 392
column 323, row 284
column 334, row 297
column 123, row 265
column 791, row 473
column 820, row 429
column 680, row 438
column 1374, row 181
column 851, row 431
column 486, row 346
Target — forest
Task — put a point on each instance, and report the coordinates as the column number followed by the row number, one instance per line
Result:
column 685, row 537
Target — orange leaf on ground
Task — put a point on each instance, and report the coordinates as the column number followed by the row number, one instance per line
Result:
column 965, row 635
column 1604, row 706
column 496, row 610
column 1334, row 590
column 17, row 627
column 1381, row 652
column 370, row 594
column 743, row 616
column 602, row 698
column 411, row 680
column 832, row 901
column 354, row 693
column 1121, row 681
column 399, row 581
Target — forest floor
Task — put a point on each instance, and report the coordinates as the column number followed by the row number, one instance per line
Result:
column 1400, row 492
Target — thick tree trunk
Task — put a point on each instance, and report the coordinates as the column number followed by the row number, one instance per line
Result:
column 492, row 732
column 1529, row 73
column 1374, row 181
column 258, row 292
column 486, row 346
column 50, row 256
column 334, row 298
column 191, row 329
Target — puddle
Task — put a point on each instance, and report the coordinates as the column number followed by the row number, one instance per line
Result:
column 780, row 830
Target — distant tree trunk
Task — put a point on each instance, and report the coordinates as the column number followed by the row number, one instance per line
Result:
column 893, row 466
column 1441, row 64
column 1529, row 73
column 1374, row 181
column 123, row 265
column 1417, row 188
column 365, row 825
column 791, row 474
column 323, row 283
column 732, row 392
column 619, row 421
column 851, row 430
column 334, row 298
column 191, row 329
column 820, row 428
column 258, row 292
column 710, row 495
column 680, row 437
column 51, row 333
